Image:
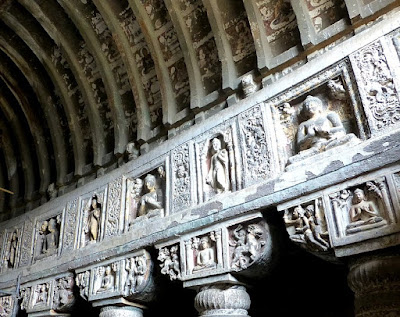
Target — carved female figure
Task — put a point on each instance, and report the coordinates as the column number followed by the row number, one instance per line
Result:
column 94, row 220
column 53, row 235
column 135, row 192
column 218, row 176
column 41, row 243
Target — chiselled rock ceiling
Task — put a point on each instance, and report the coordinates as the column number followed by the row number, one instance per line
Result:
column 80, row 79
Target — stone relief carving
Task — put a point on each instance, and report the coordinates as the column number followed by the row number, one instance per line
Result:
column 169, row 258
column 135, row 271
column 113, row 214
column 25, row 294
column 204, row 253
column 362, row 208
column 40, row 295
column 145, row 196
column 378, row 89
column 6, row 306
column 218, row 171
column 104, row 279
column 307, row 226
column 82, row 281
column 92, row 219
column 336, row 89
column 26, row 244
column 182, row 195
column 321, row 130
column 52, row 191
column 48, row 236
column 70, row 224
column 132, row 151
column 255, row 149
column 11, row 250
column 246, row 242
column 63, row 296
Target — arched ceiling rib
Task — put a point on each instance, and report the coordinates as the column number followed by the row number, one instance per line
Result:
column 85, row 78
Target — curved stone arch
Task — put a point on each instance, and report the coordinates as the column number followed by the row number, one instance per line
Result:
column 110, row 13
column 46, row 97
column 35, row 127
column 57, row 28
column 6, row 108
column 71, row 106
column 78, row 13
column 170, row 105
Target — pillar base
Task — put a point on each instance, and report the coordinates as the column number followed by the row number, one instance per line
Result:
column 121, row 311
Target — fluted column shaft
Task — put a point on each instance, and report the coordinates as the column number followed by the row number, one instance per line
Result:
column 376, row 284
column 221, row 300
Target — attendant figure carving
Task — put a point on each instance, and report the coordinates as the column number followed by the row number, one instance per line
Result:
column 363, row 214
column 218, row 174
column 149, row 204
column 93, row 225
column 170, row 262
column 131, row 281
column 53, row 235
column 41, row 242
column 206, row 256
column 135, row 193
column 11, row 250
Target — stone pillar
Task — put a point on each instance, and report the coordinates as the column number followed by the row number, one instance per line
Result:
column 376, row 284
column 220, row 300
column 121, row 311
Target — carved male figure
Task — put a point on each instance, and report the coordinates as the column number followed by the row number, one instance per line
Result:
column 315, row 226
column 149, row 202
column 321, row 129
column 135, row 192
column 218, row 175
column 53, row 235
column 362, row 212
column 41, row 242
column 130, row 284
column 206, row 256
column 107, row 282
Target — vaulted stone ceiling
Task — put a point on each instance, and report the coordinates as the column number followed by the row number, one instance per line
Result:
column 81, row 79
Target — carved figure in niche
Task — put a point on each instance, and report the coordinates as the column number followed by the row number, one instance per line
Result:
column 307, row 227
column 93, row 225
column 40, row 294
column 6, row 306
column 135, row 193
column 141, row 268
column 130, row 284
column 82, row 281
column 247, row 245
column 206, row 256
column 149, row 204
column 53, row 235
column 170, row 262
column 107, row 283
column 41, row 242
column 362, row 213
column 322, row 129
column 25, row 295
column 218, row 175
column 11, row 250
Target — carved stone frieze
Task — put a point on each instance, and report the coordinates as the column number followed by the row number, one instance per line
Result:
column 40, row 296
column 25, row 294
column 182, row 196
column 71, row 217
column 92, row 218
column 146, row 196
column 170, row 263
column 6, row 306
column 235, row 246
column 306, row 226
column 26, row 244
column 113, row 215
column 256, row 146
column 362, row 211
column 377, row 86
column 128, row 276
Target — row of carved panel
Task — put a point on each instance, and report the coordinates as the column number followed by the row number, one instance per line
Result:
column 320, row 117
column 362, row 209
